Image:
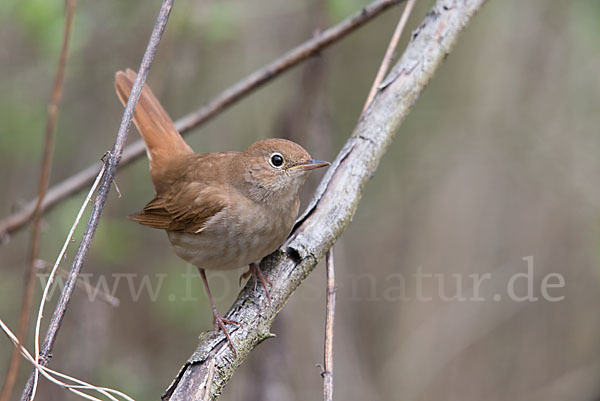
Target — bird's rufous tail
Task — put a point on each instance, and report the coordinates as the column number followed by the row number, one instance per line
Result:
column 163, row 142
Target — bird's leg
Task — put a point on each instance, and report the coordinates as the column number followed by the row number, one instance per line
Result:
column 218, row 319
column 257, row 275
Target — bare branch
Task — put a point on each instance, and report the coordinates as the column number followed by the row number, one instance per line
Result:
column 389, row 53
column 333, row 206
column 112, row 162
column 79, row 387
column 52, row 375
column 53, row 107
column 329, row 326
column 80, row 180
column 54, row 270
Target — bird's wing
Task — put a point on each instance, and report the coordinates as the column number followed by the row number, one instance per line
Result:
column 186, row 210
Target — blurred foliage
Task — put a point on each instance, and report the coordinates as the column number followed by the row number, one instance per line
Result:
column 41, row 21
column 339, row 9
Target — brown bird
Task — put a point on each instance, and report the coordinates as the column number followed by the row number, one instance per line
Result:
column 220, row 210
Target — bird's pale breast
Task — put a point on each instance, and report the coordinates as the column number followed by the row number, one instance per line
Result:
column 235, row 237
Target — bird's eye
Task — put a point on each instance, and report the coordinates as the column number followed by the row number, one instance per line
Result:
column 276, row 160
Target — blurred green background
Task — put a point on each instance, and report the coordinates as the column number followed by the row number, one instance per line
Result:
column 498, row 161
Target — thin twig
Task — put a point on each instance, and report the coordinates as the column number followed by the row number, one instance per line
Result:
column 327, row 373
column 389, row 53
column 101, row 294
column 52, row 117
column 329, row 326
column 55, row 268
column 48, row 374
column 112, row 162
column 242, row 88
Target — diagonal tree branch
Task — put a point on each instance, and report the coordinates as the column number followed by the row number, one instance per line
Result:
column 303, row 52
column 112, row 162
column 333, row 206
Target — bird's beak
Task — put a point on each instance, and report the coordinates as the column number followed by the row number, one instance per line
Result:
column 311, row 165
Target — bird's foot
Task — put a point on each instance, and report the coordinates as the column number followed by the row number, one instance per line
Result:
column 220, row 323
column 257, row 275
